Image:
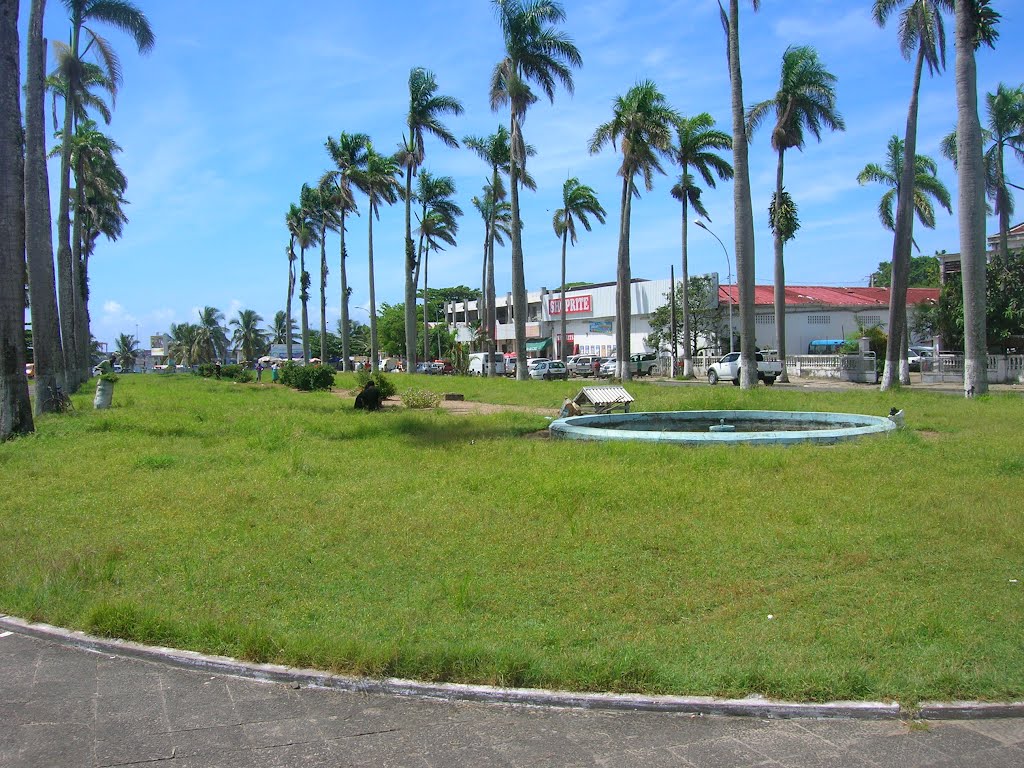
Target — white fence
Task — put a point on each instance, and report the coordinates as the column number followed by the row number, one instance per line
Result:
column 1002, row 369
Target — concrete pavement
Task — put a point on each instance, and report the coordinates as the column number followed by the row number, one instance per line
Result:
column 61, row 705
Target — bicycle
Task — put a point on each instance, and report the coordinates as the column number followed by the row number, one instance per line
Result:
column 57, row 401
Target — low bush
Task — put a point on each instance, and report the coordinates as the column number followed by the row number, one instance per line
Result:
column 206, row 370
column 385, row 385
column 420, row 398
column 307, row 378
column 237, row 372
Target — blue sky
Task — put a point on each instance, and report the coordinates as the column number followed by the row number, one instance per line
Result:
column 227, row 117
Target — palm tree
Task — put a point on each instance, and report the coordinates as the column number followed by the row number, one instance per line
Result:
column 124, row 16
column 85, row 76
column 322, row 204
column 535, row 51
column 438, row 219
column 248, row 337
column 211, row 341
column 348, row 153
column 920, row 29
column 127, row 351
column 496, row 151
column 497, row 216
column 293, row 221
column 434, row 228
column 578, row 202
column 282, row 328
column 379, row 181
column 927, row 186
column 15, row 407
column 641, row 128
column 697, row 140
column 425, row 111
column 48, row 352
column 304, row 230
column 182, row 347
column 806, row 100
column 742, row 210
column 1005, row 133
column 976, row 26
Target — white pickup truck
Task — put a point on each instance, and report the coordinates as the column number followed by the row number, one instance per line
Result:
column 728, row 367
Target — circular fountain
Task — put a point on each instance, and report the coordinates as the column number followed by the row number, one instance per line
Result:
column 722, row 427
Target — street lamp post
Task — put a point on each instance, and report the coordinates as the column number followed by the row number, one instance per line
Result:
column 728, row 264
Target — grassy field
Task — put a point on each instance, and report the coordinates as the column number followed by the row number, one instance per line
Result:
column 273, row 525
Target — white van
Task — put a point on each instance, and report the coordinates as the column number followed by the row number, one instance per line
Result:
column 478, row 361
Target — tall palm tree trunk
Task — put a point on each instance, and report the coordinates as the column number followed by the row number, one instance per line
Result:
column 971, row 193
column 46, row 343
column 780, row 276
column 81, row 278
column 346, row 341
column 304, row 300
column 481, row 303
column 622, row 335
column 1002, row 192
column 565, row 243
column 902, row 240
column 492, row 299
column 288, row 303
column 67, row 286
column 15, row 408
column 492, row 305
column 743, row 210
column 373, row 304
column 323, row 292
column 519, row 307
column 426, row 327
column 687, row 352
column 410, row 284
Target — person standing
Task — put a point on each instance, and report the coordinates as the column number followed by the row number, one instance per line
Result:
column 259, row 372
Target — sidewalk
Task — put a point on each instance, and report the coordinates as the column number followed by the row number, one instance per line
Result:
column 63, row 707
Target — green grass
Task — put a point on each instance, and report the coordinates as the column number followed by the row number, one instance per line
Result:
column 281, row 526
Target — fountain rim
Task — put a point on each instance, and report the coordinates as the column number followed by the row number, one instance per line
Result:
column 589, row 427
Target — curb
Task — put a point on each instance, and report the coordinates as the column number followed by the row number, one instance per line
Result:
column 752, row 706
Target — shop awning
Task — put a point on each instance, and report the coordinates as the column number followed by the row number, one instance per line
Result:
column 537, row 345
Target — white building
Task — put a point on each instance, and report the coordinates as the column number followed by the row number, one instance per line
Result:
column 812, row 313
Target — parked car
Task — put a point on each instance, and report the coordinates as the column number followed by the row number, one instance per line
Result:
column 609, row 368
column 584, row 365
column 442, row 368
column 728, row 368
column 644, row 364
column 424, row 367
column 531, row 362
column 478, row 363
column 549, row 369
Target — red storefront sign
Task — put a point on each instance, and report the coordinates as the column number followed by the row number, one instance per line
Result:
column 573, row 304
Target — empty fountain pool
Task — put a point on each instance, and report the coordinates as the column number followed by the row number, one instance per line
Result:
column 722, row 427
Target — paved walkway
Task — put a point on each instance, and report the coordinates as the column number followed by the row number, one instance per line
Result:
column 62, row 706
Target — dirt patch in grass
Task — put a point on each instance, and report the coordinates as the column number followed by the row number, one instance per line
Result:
column 458, row 407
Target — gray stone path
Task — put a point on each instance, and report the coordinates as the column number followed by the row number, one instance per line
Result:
column 62, row 706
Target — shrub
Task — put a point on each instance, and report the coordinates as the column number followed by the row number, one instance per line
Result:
column 307, row 378
column 420, row 398
column 385, row 385
column 238, row 373
column 206, row 370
